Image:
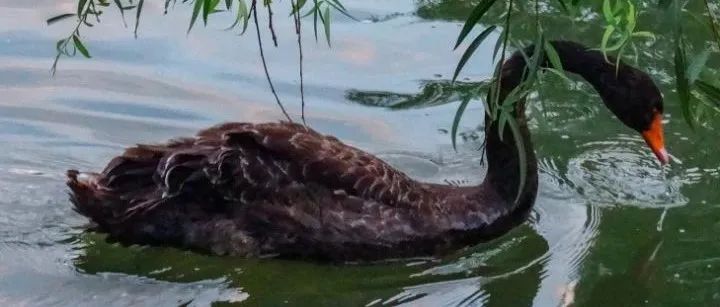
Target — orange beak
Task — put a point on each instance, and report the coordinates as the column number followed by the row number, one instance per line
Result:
column 654, row 138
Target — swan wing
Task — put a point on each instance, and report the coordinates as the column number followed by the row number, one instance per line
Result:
column 243, row 162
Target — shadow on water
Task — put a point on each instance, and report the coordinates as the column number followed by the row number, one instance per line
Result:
column 272, row 281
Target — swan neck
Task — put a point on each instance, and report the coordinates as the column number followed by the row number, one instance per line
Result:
column 504, row 160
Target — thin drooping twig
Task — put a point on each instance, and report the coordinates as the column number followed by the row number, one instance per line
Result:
column 262, row 57
column 270, row 23
column 298, row 26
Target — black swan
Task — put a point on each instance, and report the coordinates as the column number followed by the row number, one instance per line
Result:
column 283, row 189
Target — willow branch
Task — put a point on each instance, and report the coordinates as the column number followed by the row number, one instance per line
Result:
column 63, row 46
column 298, row 26
column 270, row 24
column 262, row 57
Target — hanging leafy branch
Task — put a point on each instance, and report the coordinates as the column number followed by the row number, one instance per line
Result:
column 689, row 69
column 89, row 11
column 697, row 90
column 620, row 17
column 621, row 22
column 620, row 29
column 298, row 32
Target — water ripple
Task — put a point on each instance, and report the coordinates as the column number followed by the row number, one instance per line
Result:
column 612, row 173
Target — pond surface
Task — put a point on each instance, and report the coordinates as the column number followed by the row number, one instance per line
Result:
column 610, row 228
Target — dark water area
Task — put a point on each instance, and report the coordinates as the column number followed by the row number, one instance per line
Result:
column 610, row 228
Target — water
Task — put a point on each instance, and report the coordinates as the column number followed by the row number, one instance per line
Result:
column 609, row 227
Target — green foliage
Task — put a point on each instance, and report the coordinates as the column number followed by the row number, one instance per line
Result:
column 681, row 81
column 471, row 49
column 695, row 94
column 553, row 57
column 473, row 19
column 621, row 20
column 619, row 36
column 689, row 70
column 321, row 12
column 696, row 88
column 456, row 121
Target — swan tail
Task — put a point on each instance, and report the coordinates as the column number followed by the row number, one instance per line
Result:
column 106, row 197
column 87, row 198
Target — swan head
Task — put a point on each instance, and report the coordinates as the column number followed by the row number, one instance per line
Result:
column 634, row 98
column 630, row 94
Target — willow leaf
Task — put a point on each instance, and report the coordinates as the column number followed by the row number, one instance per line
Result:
column 681, row 83
column 337, row 3
column 631, row 18
column 609, row 30
column 207, row 8
column 122, row 10
column 473, row 19
column 608, row 12
column 502, row 121
column 530, row 74
column 645, row 34
column 522, row 154
column 313, row 11
column 81, row 7
column 298, row 6
column 494, row 92
column 456, row 121
column 59, row 46
column 58, row 18
column 554, row 58
column 560, row 74
column 499, row 43
column 338, row 6
column 137, row 16
column 316, row 12
column 196, row 11
column 326, row 23
column 242, row 15
column 80, row 47
column 618, row 58
column 471, row 50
